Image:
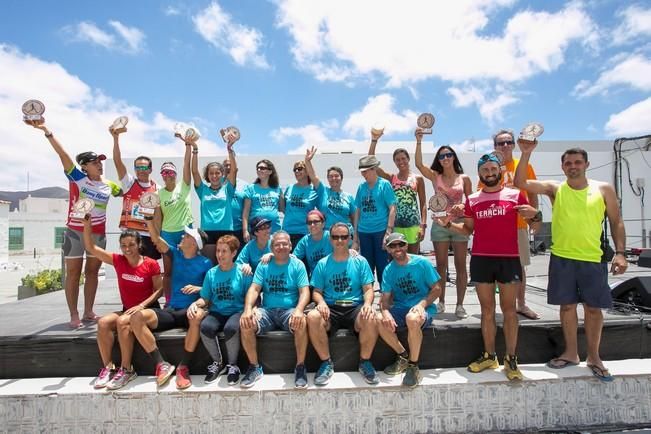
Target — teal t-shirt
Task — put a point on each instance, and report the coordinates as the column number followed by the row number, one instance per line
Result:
column 216, row 209
column 410, row 283
column 264, row 203
column 280, row 283
column 299, row 200
column 374, row 206
column 312, row 251
column 342, row 281
column 236, row 209
column 225, row 290
column 251, row 254
column 336, row 206
column 186, row 272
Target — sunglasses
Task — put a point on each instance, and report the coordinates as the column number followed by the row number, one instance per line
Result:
column 262, row 168
column 339, row 237
column 313, row 222
column 397, row 245
column 168, row 173
column 446, row 155
column 505, row 143
column 298, row 169
column 142, row 168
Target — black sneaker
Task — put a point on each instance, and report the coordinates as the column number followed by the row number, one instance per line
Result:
column 214, row 371
column 233, row 376
column 300, row 376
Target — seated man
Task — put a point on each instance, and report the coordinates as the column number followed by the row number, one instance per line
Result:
column 413, row 284
column 285, row 293
column 343, row 293
column 189, row 268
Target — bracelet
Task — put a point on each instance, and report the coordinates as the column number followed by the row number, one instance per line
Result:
column 537, row 218
column 195, row 152
column 620, row 252
column 49, row 134
column 423, row 225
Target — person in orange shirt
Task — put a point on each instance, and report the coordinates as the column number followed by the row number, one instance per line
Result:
column 504, row 142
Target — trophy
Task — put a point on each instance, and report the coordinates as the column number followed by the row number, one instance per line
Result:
column 192, row 134
column 426, row 122
column 33, row 111
column 531, row 132
column 82, row 207
column 230, row 135
column 377, row 130
column 437, row 204
column 148, row 203
column 180, row 128
column 119, row 123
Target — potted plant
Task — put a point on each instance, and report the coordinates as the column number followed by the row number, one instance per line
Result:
column 40, row 283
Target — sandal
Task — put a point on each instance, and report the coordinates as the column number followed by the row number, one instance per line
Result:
column 601, row 373
column 528, row 313
column 90, row 318
column 559, row 363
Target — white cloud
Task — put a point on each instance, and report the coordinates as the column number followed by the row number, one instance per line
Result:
column 490, row 102
column 634, row 120
column 240, row 42
column 310, row 135
column 379, row 111
column 633, row 71
column 125, row 39
column 339, row 40
column 172, row 11
column 636, row 22
column 78, row 115
column 472, row 145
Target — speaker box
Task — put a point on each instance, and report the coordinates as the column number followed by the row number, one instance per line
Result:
column 636, row 291
column 644, row 259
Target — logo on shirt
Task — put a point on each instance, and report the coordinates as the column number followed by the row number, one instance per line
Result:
column 368, row 205
column 132, row 278
column 493, row 211
column 97, row 196
column 335, row 203
column 266, row 201
column 297, row 201
column 277, row 283
column 317, row 254
column 340, row 282
column 407, row 284
column 223, row 291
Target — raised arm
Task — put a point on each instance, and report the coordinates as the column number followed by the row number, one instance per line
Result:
column 89, row 243
column 66, row 161
column 309, row 154
column 232, row 175
column 196, row 175
column 120, row 168
column 191, row 149
column 422, row 203
column 426, row 171
column 533, row 186
column 375, row 136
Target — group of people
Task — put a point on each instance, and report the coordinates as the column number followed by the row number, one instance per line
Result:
column 315, row 271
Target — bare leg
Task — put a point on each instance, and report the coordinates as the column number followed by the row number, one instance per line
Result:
column 105, row 338
column 569, row 323
column 508, row 293
column 126, row 339
column 316, row 327
column 368, row 334
column 460, row 250
column 193, row 336
column 390, row 337
column 486, row 295
column 249, row 343
column 441, row 250
column 90, row 285
column 167, row 278
column 415, row 335
column 73, row 273
column 300, row 343
column 593, row 324
column 142, row 323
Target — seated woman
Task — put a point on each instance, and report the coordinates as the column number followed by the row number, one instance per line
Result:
column 222, row 294
column 254, row 250
column 140, row 285
column 189, row 268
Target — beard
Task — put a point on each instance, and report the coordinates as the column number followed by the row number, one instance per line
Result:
column 491, row 182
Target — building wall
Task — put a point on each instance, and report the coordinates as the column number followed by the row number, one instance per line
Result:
column 43, row 205
column 39, row 231
column 4, row 232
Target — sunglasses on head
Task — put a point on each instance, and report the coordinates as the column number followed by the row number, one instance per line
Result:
column 505, row 143
column 339, row 237
column 443, row 156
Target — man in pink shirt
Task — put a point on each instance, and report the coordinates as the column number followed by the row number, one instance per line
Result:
column 491, row 214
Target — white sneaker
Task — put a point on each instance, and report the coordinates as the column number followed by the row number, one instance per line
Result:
column 440, row 307
column 460, row 312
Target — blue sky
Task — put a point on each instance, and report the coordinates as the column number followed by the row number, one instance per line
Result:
column 291, row 73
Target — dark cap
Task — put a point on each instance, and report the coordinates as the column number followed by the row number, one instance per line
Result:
column 88, row 157
column 257, row 222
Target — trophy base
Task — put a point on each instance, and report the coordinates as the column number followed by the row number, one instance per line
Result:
column 147, row 212
column 426, row 130
column 527, row 139
column 77, row 215
column 439, row 214
column 35, row 119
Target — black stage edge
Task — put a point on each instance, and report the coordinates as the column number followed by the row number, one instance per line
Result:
column 35, row 341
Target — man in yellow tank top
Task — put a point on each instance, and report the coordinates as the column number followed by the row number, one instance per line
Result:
column 576, row 271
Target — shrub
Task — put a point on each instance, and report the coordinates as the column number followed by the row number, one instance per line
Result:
column 44, row 281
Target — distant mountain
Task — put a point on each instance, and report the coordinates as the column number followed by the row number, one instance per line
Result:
column 50, row 192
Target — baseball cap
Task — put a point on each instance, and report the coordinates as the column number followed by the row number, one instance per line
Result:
column 194, row 233
column 257, row 222
column 87, row 157
column 395, row 237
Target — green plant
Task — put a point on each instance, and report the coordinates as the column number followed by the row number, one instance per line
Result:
column 44, row 281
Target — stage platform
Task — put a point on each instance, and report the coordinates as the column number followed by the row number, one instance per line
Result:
column 35, row 341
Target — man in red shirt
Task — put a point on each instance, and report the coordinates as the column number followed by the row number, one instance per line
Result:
column 491, row 214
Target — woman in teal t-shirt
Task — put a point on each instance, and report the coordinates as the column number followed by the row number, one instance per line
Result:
column 263, row 198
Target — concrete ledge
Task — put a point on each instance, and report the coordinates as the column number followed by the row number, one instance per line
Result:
column 449, row 400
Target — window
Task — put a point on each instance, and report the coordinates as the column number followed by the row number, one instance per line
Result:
column 16, row 239
column 58, row 237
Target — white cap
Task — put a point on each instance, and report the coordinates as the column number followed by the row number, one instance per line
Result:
column 194, row 233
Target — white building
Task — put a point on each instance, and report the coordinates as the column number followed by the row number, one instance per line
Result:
column 4, row 231
column 37, row 226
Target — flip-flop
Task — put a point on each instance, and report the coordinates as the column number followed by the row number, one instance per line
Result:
column 560, row 363
column 601, row 373
column 528, row 313
column 92, row 318
column 74, row 325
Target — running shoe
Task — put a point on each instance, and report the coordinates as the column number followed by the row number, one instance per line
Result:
column 511, row 368
column 460, row 312
column 485, row 361
column 300, row 376
column 412, row 376
column 253, row 374
column 163, row 373
column 104, row 376
column 183, row 380
column 121, row 378
column 214, row 371
column 368, row 372
column 323, row 375
column 397, row 367
column 440, row 307
column 233, row 376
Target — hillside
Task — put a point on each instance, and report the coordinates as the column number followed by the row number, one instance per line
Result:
column 49, row 192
